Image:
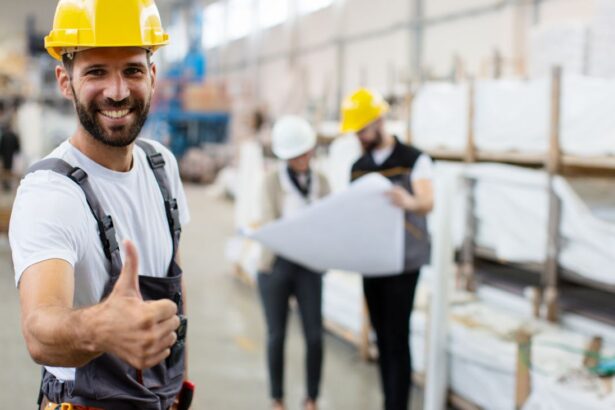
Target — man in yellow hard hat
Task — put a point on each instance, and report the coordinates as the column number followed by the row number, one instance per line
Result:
column 390, row 297
column 104, row 320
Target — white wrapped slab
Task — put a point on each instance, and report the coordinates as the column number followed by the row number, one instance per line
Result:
column 440, row 116
column 548, row 394
column 512, row 115
column 588, row 123
column 511, row 210
column 482, row 360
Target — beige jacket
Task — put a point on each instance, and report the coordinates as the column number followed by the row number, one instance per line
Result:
column 280, row 197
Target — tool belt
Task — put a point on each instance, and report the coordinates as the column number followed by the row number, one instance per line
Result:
column 47, row 405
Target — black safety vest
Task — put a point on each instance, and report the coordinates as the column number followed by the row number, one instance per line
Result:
column 108, row 382
column 398, row 169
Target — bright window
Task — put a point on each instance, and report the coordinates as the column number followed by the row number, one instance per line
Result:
column 272, row 12
column 178, row 40
column 213, row 25
column 239, row 18
column 309, row 6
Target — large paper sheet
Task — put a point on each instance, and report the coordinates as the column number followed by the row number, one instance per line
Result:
column 357, row 229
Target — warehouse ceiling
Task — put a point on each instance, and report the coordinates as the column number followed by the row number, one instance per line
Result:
column 13, row 17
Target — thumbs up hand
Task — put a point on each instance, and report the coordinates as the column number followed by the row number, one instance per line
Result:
column 140, row 333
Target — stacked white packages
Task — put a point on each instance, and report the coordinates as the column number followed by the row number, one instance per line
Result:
column 440, row 116
column 588, row 123
column 602, row 42
column 512, row 215
column 482, row 354
column 512, row 115
column 563, row 45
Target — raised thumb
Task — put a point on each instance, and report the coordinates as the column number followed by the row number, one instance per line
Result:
column 128, row 282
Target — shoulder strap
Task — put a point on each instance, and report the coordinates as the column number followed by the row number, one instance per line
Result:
column 157, row 163
column 106, row 230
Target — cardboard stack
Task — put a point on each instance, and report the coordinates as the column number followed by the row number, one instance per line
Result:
column 205, row 97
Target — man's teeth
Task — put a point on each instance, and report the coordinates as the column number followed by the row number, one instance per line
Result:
column 115, row 114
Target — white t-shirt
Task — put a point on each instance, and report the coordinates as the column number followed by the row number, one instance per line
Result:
column 423, row 167
column 51, row 220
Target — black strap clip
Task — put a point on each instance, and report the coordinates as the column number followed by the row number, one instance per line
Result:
column 177, row 350
column 156, row 160
column 172, row 210
column 78, row 175
column 107, row 235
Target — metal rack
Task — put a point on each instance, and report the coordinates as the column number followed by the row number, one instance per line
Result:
column 555, row 163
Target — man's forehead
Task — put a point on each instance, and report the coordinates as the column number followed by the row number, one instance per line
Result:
column 110, row 56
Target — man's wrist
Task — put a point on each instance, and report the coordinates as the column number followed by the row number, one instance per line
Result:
column 90, row 331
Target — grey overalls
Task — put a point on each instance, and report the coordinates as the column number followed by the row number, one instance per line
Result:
column 108, row 382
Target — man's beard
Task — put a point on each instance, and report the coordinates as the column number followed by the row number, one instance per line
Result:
column 368, row 147
column 122, row 135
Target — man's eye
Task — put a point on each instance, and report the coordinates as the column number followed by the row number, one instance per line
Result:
column 97, row 72
column 133, row 71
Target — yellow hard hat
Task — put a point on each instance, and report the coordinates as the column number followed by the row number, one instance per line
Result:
column 82, row 24
column 361, row 108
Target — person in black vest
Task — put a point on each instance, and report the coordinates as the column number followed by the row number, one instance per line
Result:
column 390, row 297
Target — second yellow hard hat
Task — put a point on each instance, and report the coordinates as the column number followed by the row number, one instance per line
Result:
column 360, row 109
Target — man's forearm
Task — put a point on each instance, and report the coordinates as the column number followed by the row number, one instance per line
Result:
column 59, row 336
column 422, row 206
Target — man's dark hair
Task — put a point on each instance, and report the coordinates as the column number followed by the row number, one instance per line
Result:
column 67, row 62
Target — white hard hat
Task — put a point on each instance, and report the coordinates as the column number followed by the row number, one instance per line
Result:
column 291, row 137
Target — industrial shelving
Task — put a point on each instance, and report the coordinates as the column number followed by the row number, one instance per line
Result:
column 555, row 163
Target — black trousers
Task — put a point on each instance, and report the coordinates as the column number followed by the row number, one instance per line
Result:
column 390, row 300
column 289, row 279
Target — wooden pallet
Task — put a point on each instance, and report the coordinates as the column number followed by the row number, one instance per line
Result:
column 455, row 400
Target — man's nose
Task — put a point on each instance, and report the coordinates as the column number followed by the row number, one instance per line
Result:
column 116, row 88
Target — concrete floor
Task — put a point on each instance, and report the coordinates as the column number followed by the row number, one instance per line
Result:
column 226, row 333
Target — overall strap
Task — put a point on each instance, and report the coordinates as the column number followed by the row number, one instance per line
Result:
column 106, row 230
column 157, row 163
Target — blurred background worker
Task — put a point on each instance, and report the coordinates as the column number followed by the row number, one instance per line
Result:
column 9, row 148
column 293, row 186
column 390, row 298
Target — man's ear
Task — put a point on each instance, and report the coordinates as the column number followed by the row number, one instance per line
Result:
column 153, row 74
column 63, row 79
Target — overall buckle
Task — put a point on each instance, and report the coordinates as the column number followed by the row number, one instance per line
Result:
column 173, row 214
column 107, row 235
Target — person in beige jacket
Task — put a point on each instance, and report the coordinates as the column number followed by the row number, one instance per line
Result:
column 293, row 186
